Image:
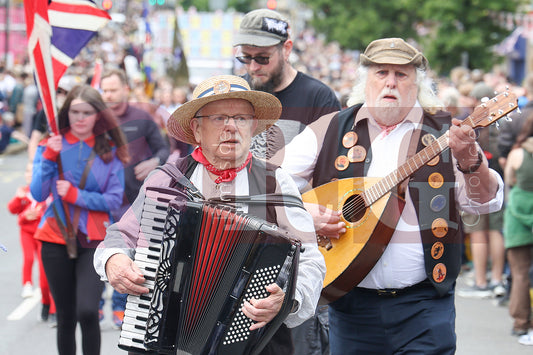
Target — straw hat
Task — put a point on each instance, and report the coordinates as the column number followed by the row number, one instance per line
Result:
column 266, row 106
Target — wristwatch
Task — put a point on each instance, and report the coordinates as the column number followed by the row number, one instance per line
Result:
column 472, row 168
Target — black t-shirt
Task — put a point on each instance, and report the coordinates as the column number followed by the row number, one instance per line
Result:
column 303, row 101
column 306, row 99
column 39, row 122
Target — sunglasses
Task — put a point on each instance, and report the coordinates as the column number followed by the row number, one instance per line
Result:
column 247, row 59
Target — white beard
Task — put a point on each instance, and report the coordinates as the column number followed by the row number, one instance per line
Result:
column 388, row 113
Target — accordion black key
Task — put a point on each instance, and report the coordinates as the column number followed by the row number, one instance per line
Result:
column 211, row 259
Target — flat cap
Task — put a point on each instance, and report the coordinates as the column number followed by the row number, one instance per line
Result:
column 392, row 51
column 262, row 28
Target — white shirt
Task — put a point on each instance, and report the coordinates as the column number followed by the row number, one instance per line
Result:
column 402, row 263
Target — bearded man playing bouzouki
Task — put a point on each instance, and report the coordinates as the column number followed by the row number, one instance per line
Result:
column 385, row 199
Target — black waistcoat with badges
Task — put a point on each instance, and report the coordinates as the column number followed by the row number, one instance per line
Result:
column 431, row 189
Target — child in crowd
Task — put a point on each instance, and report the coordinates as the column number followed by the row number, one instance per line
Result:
column 29, row 214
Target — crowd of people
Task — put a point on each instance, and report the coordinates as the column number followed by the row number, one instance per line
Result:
column 332, row 114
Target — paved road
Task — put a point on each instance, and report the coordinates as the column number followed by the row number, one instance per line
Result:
column 482, row 327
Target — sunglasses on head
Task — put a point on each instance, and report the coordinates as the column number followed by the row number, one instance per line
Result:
column 247, row 59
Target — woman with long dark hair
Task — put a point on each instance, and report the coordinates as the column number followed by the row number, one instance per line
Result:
column 82, row 167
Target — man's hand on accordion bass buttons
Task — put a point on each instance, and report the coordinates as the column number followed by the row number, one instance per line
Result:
column 263, row 310
column 124, row 275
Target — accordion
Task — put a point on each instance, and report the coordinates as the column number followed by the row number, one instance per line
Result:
column 202, row 262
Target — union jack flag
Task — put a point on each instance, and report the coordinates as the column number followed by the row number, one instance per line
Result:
column 39, row 34
column 57, row 31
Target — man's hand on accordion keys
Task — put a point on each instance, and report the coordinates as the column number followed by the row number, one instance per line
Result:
column 124, row 275
column 263, row 310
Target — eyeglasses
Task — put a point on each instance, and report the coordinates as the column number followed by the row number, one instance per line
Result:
column 247, row 59
column 241, row 121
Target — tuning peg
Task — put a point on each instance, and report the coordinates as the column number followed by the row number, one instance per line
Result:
column 508, row 118
column 497, row 124
column 484, row 99
column 518, row 110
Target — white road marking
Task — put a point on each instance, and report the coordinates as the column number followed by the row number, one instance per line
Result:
column 26, row 306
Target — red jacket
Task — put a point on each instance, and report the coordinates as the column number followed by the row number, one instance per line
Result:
column 23, row 206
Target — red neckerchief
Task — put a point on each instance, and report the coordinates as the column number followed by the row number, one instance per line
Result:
column 387, row 129
column 223, row 175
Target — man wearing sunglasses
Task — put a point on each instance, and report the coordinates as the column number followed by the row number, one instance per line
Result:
column 264, row 50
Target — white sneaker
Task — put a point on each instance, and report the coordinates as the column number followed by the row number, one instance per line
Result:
column 27, row 290
column 497, row 288
column 526, row 339
column 475, row 292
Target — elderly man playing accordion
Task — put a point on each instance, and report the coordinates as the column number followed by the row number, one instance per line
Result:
column 220, row 121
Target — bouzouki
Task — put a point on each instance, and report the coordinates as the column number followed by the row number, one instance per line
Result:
column 371, row 207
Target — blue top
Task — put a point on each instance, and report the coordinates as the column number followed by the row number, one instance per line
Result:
column 103, row 189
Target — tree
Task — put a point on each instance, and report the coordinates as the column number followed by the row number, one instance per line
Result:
column 354, row 24
column 200, row 5
column 447, row 31
column 464, row 29
column 242, row 5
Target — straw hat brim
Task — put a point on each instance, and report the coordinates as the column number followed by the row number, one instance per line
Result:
column 267, row 110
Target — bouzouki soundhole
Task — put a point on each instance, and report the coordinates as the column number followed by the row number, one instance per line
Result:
column 354, row 208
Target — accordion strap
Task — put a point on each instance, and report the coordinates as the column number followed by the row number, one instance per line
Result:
column 180, row 179
column 274, row 199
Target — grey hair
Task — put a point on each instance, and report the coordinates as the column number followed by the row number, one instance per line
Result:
column 427, row 96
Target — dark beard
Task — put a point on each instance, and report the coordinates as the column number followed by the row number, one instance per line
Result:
column 266, row 87
column 269, row 86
